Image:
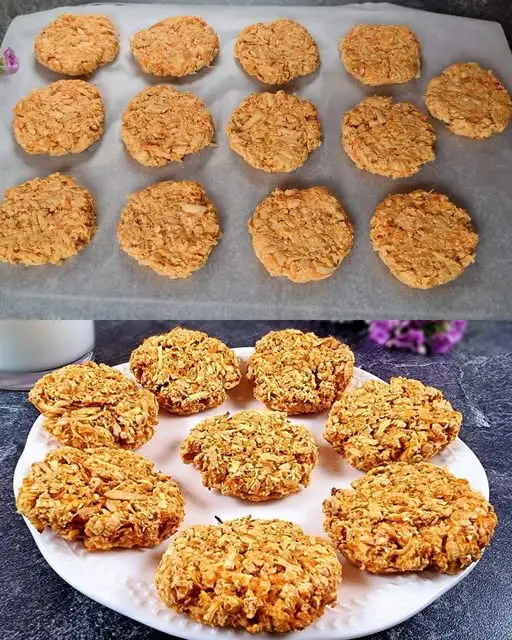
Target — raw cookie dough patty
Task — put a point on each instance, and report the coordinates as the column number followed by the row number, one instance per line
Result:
column 254, row 455
column 45, row 221
column 105, row 497
column 274, row 132
column 423, row 238
column 187, row 370
column 277, row 52
column 162, row 124
column 380, row 423
column 393, row 140
column 302, row 234
column 93, row 405
column 170, row 227
column 77, row 45
column 381, row 54
column 470, row 100
column 66, row 116
column 299, row 372
column 176, row 46
column 409, row 517
column 258, row 575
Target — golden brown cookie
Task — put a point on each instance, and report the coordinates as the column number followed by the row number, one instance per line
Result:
column 66, row 116
column 409, row 517
column 470, row 100
column 393, row 140
column 162, row 124
column 423, row 238
column 170, row 227
column 277, row 52
column 299, row 372
column 301, row 234
column 77, row 45
column 176, row 46
column 274, row 132
column 258, row 575
column 105, row 497
column 377, row 54
column 45, row 221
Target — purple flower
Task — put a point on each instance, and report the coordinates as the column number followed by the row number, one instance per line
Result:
column 9, row 62
column 419, row 336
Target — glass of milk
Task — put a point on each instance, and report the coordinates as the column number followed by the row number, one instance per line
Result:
column 31, row 348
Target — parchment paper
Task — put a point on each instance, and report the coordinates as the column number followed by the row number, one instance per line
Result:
column 102, row 282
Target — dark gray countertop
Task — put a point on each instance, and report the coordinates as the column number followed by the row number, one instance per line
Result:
column 35, row 603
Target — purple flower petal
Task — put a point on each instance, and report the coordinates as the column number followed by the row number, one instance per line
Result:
column 11, row 64
column 381, row 330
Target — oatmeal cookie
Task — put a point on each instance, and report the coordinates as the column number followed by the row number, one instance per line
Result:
column 187, row 370
column 423, row 238
column 66, row 116
column 274, row 132
column 302, row 234
column 170, row 227
column 470, row 100
column 409, row 517
column 392, row 140
column 77, row 45
column 162, row 124
column 45, row 221
column 299, row 372
column 257, row 575
column 105, row 497
column 277, row 52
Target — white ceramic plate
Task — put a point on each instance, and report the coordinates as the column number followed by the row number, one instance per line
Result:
column 123, row 579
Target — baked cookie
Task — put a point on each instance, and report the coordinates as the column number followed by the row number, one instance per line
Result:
column 177, row 46
column 77, row 45
column 380, row 423
column 93, row 405
column 253, row 455
column 277, row 52
column 187, row 370
column 299, row 372
column 392, row 140
column 45, row 221
column 470, row 100
column 162, row 124
column 66, row 116
column 274, row 132
column 301, row 234
column 258, row 575
column 423, row 238
column 377, row 54
column 170, row 227
column 409, row 517
column 105, row 497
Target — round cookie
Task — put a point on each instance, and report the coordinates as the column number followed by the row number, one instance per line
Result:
column 392, row 140
column 94, row 405
column 423, row 238
column 258, row 575
column 253, row 455
column 187, row 370
column 298, row 372
column 162, row 124
column 409, row 517
column 45, row 221
column 66, row 116
column 301, row 234
column 274, row 132
column 378, row 54
column 77, row 45
column 177, row 46
column 470, row 100
column 380, row 423
column 107, row 498
column 170, row 227
column 277, row 52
